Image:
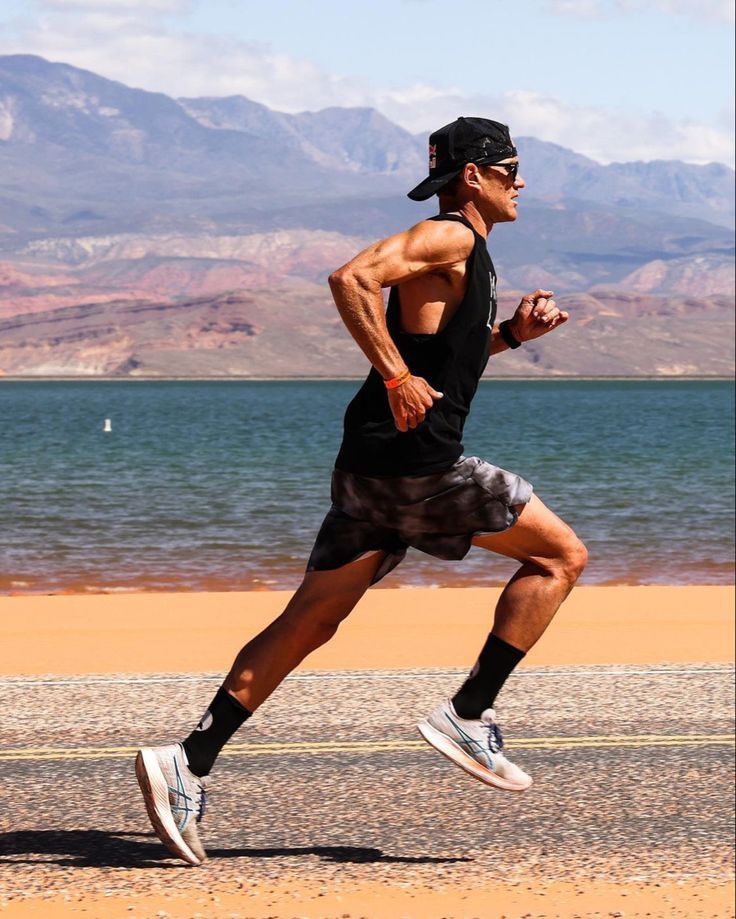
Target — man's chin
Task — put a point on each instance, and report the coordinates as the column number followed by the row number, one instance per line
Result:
column 506, row 217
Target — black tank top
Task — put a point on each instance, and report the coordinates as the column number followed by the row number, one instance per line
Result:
column 451, row 361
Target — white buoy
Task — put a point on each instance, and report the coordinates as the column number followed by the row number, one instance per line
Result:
column 108, row 425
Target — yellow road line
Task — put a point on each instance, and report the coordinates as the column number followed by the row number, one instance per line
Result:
column 38, row 754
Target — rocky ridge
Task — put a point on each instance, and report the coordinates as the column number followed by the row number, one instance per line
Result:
column 145, row 234
column 293, row 330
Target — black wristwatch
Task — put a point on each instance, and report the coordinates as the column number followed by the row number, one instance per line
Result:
column 507, row 335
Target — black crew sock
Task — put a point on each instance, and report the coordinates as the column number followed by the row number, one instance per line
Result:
column 221, row 720
column 497, row 659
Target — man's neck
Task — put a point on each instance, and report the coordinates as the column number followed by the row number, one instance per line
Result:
column 471, row 213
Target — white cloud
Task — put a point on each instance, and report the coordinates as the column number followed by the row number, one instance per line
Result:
column 603, row 134
column 138, row 7
column 123, row 40
column 718, row 10
column 607, row 135
column 588, row 9
column 727, row 116
column 713, row 10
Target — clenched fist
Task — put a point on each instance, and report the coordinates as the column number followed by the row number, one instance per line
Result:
column 536, row 315
column 410, row 402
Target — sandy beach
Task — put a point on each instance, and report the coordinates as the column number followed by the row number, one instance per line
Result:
column 132, row 633
column 632, row 629
column 291, row 900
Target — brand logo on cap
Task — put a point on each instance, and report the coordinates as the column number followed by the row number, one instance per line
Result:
column 432, row 156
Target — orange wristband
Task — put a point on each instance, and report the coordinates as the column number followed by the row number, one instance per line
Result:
column 397, row 381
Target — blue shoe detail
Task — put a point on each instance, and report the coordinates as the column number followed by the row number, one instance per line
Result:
column 472, row 746
column 181, row 802
column 495, row 737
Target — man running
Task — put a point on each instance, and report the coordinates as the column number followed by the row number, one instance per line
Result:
column 401, row 478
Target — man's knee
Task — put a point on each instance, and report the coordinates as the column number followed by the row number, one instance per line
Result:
column 319, row 608
column 573, row 560
column 328, row 616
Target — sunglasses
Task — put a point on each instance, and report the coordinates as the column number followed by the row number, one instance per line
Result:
column 512, row 169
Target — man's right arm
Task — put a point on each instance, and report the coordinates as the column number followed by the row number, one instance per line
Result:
column 356, row 289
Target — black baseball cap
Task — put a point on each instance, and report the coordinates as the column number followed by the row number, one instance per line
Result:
column 466, row 140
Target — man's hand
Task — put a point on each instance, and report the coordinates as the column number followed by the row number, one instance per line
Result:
column 410, row 402
column 536, row 315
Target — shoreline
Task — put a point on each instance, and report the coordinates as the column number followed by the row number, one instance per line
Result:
column 391, row 628
column 21, row 588
column 330, row 379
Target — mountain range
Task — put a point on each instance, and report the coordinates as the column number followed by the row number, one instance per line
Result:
column 112, row 197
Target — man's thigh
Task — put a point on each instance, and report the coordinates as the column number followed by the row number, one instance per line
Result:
column 341, row 588
column 343, row 539
column 538, row 535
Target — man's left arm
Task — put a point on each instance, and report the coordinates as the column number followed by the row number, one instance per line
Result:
column 536, row 315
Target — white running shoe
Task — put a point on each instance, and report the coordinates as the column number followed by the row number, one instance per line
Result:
column 474, row 745
column 174, row 798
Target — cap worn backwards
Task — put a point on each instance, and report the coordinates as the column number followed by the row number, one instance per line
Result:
column 466, row 140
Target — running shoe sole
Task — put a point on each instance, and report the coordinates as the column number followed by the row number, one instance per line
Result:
column 155, row 791
column 455, row 753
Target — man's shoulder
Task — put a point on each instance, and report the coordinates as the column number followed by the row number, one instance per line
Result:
column 444, row 237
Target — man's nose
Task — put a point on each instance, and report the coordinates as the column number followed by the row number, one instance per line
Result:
column 519, row 182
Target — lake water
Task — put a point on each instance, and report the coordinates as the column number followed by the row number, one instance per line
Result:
column 223, row 484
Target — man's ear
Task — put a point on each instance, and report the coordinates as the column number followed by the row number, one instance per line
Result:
column 471, row 174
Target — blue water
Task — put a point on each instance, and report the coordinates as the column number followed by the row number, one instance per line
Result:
column 204, row 485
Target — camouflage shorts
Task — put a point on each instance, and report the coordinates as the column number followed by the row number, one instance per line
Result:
column 438, row 513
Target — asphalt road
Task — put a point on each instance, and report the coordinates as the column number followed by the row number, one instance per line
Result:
column 633, row 770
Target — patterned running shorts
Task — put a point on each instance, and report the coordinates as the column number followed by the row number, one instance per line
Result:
column 438, row 513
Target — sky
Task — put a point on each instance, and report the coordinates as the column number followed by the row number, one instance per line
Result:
column 616, row 80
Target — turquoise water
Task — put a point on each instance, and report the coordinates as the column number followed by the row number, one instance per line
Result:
column 205, row 485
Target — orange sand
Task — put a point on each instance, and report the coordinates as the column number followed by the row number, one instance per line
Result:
column 301, row 900
column 403, row 628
